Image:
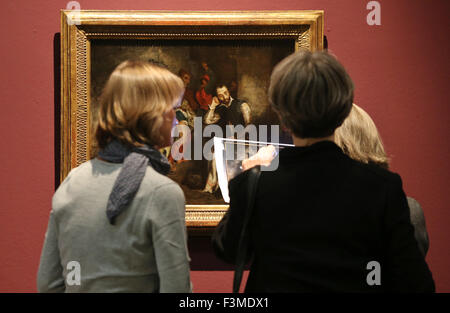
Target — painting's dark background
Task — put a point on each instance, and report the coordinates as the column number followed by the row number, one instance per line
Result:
column 247, row 62
column 401, row 73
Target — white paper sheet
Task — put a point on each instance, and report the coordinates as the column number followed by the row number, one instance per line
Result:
column 229, row 154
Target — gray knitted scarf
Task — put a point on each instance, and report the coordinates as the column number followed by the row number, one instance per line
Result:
column 135, row 161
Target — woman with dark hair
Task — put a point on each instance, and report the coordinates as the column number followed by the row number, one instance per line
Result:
column 321, row 220
column 118, row 216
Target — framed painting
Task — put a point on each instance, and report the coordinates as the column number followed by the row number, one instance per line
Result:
column 219, row 56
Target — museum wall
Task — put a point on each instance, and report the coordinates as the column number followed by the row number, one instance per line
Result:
column 401, row 73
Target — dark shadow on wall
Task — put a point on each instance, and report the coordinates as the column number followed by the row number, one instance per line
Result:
column 57, row 105
column 202, row 255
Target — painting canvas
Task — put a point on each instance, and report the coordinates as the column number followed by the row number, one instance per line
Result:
column 214, row 72
column 234, row 49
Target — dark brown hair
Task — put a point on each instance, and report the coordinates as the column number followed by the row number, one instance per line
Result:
column 182, row 72
column 312, row 93
column 133, row 103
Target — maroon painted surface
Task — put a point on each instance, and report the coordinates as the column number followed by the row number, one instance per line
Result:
column 401, row 73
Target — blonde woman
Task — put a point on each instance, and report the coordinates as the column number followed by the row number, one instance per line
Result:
column 359, row 139
column 117, row 218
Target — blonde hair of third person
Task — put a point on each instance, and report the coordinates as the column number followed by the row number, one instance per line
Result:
column 358, row 137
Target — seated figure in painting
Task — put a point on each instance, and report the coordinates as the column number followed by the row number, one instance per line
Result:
column 224, row 110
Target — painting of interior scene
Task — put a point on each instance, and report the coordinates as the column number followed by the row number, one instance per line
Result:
column 225, row 83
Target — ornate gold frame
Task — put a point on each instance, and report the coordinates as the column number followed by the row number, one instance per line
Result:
column 305, row 27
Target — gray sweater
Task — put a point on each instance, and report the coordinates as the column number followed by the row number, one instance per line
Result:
column 145, row 251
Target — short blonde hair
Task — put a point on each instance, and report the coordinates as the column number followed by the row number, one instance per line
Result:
column 359, row 138
column 133, row 102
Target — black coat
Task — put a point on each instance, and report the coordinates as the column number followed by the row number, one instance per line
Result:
column 319, row 219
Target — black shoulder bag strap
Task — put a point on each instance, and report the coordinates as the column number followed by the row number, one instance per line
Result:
column 242, row 251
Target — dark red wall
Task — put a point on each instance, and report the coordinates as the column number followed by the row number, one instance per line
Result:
column 401, row 73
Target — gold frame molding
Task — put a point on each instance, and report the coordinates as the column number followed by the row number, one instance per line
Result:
column 305, row 27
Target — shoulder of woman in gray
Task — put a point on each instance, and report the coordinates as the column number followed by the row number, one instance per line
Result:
column 164, row 193
column 418, row 221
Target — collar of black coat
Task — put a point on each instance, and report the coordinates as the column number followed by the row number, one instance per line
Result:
column 320, row 148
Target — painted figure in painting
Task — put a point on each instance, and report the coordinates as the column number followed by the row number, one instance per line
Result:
column 188, row 93
column 206, row 70
column 223, row 111
column 203, row 98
